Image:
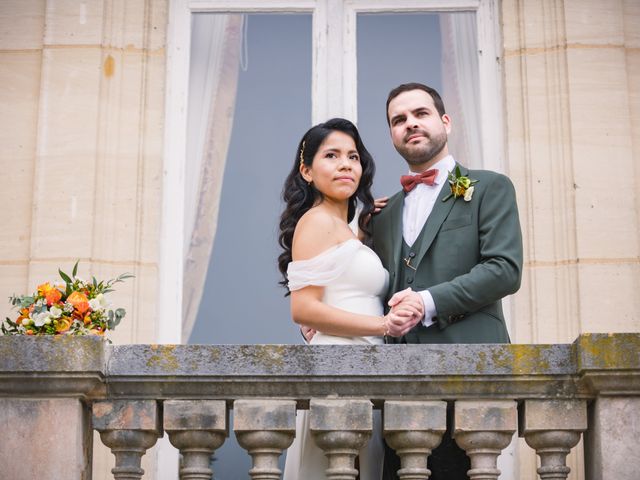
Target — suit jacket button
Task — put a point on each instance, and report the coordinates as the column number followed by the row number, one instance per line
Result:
column 409, row 281
column 412, row 254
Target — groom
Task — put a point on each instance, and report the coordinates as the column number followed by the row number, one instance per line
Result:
column 457, row 253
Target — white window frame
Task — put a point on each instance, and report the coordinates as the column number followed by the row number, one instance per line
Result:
column 334, row 93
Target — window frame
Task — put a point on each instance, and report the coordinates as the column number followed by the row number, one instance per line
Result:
column 334, row 31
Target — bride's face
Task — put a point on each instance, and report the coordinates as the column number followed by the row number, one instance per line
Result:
column 336, row 169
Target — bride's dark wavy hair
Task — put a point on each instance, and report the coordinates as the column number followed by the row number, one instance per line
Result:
column 299, row 196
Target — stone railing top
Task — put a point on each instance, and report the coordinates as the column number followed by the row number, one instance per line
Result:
column 60, row 365
column 593, row 364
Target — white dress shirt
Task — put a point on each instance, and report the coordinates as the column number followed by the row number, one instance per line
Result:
column 418, row 204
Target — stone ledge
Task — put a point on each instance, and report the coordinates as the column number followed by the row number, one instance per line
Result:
column 61, row 353
column 341, row 360
column 88, row 367
column 61, row 366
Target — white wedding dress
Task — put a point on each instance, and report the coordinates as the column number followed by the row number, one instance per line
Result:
column 354, row 280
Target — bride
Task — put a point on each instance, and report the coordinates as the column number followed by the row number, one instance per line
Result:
column 336, row 281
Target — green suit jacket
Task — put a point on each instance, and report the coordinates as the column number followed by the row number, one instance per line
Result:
column 469, row 259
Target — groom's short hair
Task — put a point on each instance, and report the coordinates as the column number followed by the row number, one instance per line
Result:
column 406, row 87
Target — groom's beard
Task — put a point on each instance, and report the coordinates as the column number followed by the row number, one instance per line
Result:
column 421, row 154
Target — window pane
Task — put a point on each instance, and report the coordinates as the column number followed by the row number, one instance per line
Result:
column 242, row 301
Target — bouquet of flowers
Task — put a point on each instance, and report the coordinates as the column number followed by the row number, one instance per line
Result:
column 75, row 307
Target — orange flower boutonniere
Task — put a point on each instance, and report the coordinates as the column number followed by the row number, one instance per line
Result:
column 461, row 186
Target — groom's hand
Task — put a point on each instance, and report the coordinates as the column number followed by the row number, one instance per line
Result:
column 408, row 300
column 307, row 333
column 379, row 204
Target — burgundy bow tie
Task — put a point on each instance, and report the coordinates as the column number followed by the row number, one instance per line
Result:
column 409, row 182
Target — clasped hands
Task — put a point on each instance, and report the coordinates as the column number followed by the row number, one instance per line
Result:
column 407, row 309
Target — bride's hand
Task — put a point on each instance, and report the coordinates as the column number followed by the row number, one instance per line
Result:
column 399, row 321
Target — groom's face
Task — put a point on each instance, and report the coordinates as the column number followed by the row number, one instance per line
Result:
column 418, row 131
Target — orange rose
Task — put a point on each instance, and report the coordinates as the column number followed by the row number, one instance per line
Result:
column 79, row 301
column 62, row 325
column 53, row 296
column 24, row 313
column 458, row 190
column 87, row 319
column 50, row 293
column 29, row 332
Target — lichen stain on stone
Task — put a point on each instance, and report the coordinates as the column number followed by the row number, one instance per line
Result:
column 621, row 350
column 481, row 364
column 520, row 359
column 164, row 357
column 109, row 66
column 269, row 356
column 214, row 355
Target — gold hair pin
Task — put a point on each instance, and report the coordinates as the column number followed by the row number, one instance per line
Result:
column 302, row 154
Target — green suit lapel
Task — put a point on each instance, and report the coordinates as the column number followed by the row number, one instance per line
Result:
column 395, row 206
column 436, row 218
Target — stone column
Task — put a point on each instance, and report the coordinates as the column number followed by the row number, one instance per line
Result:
column 611, row 443
column 483, row 429
column 413, row 430
column 197, row 428
column 44, row 383
column 552, row 428
column 341, row 427
column 63, row 424
column 264, row 428
column 128, row 428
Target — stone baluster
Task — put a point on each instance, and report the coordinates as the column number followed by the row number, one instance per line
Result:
column 197, row 428
column 413, row 430
column 483, row 429
column 341, row 427
column 553, row 428
column 128, row 428
column 264, row 428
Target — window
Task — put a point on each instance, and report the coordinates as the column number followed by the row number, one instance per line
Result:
column 336, row 28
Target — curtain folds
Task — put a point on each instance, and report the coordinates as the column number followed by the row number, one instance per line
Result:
column 461, row 82
column 213, row 78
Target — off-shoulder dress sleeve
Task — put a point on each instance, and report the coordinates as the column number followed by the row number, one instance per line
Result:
column 322, row 269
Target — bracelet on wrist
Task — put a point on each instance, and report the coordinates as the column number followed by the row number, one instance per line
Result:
column 385, row 326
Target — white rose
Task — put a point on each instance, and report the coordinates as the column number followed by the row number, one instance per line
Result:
column 468, row 194
column 94, row 303
column 39, row 319
column 103, row 300
column 55, row 312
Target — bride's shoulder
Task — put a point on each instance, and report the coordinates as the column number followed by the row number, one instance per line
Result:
column 316, row 232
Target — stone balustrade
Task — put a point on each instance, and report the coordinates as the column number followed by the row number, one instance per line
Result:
column 54, row 391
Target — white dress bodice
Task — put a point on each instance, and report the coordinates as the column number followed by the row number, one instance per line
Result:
column 353, row 279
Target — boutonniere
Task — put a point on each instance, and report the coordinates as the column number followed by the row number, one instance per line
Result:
column 461, row 186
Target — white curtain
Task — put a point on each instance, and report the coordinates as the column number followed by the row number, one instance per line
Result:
column 213, row 78
column 461, row 82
